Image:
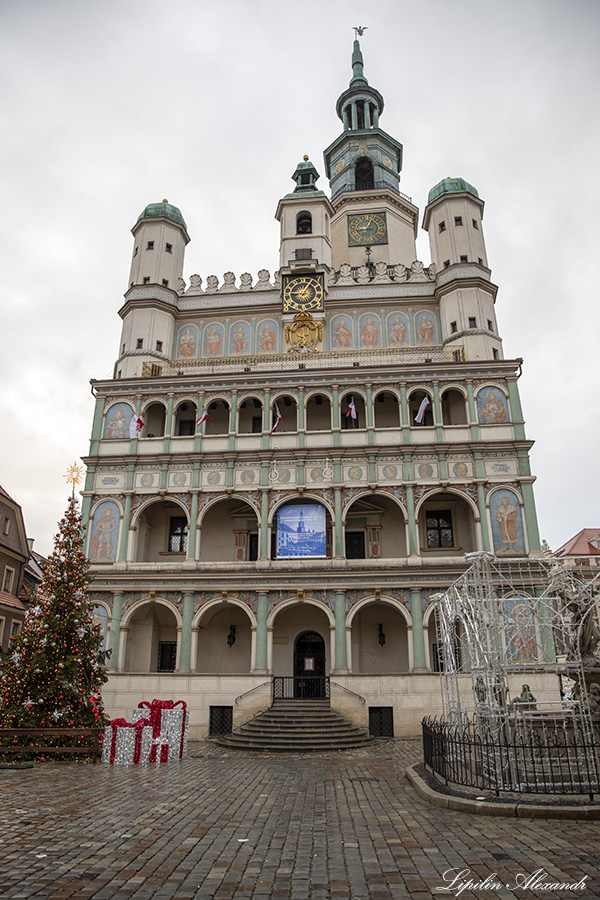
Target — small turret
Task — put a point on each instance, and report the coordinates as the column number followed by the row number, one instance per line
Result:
column 160, row 235
column 453, row 217
column 305, row 217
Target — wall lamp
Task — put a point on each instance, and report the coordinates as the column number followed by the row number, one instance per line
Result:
column 381, row 637
column 231, row 636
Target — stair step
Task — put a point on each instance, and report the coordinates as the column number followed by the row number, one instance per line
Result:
column 297, row 725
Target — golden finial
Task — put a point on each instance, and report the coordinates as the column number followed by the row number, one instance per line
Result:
column 306, row 157
column 74, row 475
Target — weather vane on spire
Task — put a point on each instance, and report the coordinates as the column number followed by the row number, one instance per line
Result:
column 359, row 30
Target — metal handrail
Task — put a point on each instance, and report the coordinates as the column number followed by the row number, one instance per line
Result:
column 344, row 688
column 255, row 688
column 375, row 186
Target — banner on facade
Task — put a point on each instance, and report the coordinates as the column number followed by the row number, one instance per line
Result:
column 301, row 531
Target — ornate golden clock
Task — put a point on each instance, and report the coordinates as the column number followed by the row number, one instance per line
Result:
column 367, row 228
column 303, row 293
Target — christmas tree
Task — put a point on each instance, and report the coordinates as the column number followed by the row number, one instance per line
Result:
column 54, row 670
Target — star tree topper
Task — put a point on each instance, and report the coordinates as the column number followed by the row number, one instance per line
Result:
column 74, row 475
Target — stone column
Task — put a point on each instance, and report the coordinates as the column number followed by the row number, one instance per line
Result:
column 485, row 534
column 185, row 649
column 125, row 523
column 264, row 526
column 193, row 532
column 341, row 664
column 115, row 631
column 413, row 542
column 418, row 641
column 262, row 608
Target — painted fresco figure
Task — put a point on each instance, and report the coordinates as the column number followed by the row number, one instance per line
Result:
column 117, row 425
column 343, row 335
column 425, row 329
column 239, row 341
column 493, row 410
column 267, row 338
column 398, row 331
column 187, row 344
column 370, row 333
column 102, row 539
column 213, row 341
column 506, row 517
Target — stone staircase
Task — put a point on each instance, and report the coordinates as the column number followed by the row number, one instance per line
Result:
column 297, row 726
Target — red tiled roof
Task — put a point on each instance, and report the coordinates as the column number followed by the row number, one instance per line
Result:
column 12, row 602
column 579, row 545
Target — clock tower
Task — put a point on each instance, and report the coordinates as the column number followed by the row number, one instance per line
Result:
column 363, row 166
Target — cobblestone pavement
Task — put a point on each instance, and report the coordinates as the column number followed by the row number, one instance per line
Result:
column 250, row 826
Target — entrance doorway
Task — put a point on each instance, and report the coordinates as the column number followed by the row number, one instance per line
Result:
column 309, row 666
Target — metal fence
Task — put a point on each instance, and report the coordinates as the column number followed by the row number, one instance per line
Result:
column 301, row 687
column 535, row 760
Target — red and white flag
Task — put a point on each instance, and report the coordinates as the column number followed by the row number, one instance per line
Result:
column 351, row 409
column 277, row 419
column 135, row 426
column 202, row 418
column 424, row 404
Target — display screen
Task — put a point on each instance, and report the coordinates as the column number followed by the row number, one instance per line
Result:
column 301, row 531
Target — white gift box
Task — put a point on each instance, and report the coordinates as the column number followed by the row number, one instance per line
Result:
column 121, row 740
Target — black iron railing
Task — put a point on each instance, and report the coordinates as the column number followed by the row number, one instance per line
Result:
column 555, row 760
column 301, row 687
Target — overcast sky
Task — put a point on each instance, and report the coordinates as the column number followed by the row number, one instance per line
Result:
column 107, row 106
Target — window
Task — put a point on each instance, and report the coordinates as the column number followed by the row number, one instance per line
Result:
column 479, row 260
column 495, row 352
column 178, row 534
column 165, row 283
column 140, row 343
column 475, row 225
column 442, row 226
column 303, row 253
column 446, row 263
column 364, row 175
column 123, row 349
column 439, row 528
column 304, row 223
column 355, row 545
column 167, row 656
column 453, row 326
column 145, row 280
column 472, row 322
column 135, row 251
column 7, row 581
column 457, row 356
column 159, row 346
column 119, row 373
column 15, row 628
column 458, row 220
column 150, row 245
column 490, row 325
column 169, row 248
column 6, row 526
column 463, row 259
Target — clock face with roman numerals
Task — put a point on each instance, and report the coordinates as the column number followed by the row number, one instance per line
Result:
column 367, row 228
column 303, row 293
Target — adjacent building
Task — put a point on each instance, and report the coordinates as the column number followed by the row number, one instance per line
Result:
column 284, row 469
column 14, row 558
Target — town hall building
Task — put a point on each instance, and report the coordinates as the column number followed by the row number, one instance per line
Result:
column 285, row 469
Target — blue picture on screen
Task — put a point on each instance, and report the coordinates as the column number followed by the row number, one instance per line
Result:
column 301, row 531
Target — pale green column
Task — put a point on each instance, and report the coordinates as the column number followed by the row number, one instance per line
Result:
column 264, row 526
column 233, row 419
column 193, row 531
column 530, row 516
column 125, row 523
column 418, row 638
column 115, row 631
column 187, row 615
column 301, row 417
column 485, row 534
column 170, row 417
column 369, row 415
column 472, row 411
column 267, row 419
column 341, row 661
column 413, row 544
column 262, row 608
column 404, row 413
column 201, row 400
column 437, row 413
column 335, row 400
column 133, row 443
column 97, row 426
column 515, row 408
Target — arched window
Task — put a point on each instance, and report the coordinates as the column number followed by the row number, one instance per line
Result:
column 304, row 223
column 364, row 176
column 454, row 410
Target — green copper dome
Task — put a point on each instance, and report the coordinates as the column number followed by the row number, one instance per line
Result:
column 163, row 210
column 451, row 186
